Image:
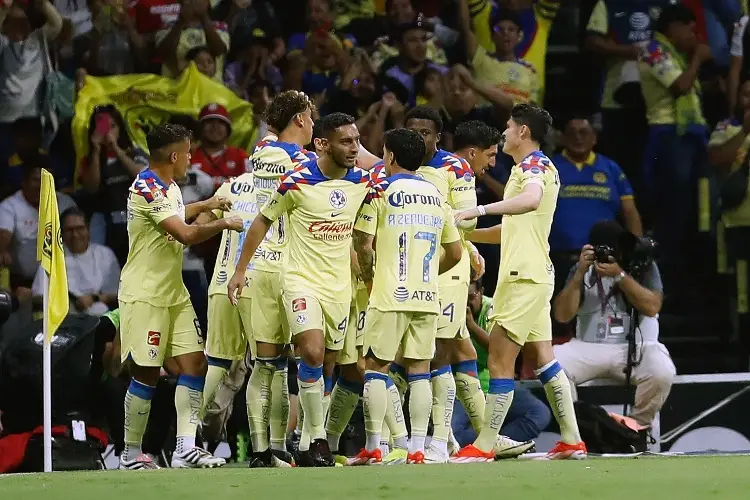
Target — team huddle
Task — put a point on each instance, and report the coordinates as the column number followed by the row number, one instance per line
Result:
column 353, row 261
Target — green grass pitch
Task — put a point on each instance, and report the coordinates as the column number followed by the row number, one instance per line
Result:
column 628, row 479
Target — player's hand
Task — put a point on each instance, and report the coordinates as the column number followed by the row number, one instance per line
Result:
column 609, row 270
column 218, row 203
column 235, row 286
column 702, row 52
column 469, row 214
column 477, row 264
column 469, row 317
column 235, row 223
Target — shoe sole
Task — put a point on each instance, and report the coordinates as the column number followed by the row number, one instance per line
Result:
column 471, row 460
column 515, row 451
column 575, row 455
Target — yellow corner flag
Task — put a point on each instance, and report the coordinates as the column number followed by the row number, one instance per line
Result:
column 50, row 252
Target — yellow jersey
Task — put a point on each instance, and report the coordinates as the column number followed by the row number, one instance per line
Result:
column 270, row 161
column 240, row 192
column 516, row 78
column 153, row 271
column 524, row 241
column 321, row 213
column 724, row 132
column 454, row 179
column 410, row 220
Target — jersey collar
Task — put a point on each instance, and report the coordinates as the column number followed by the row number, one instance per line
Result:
column 396, row 177
column 586, row 163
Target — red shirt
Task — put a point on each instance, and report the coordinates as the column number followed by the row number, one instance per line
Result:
column 152, row 15
column 700, row 25
column 230, row 162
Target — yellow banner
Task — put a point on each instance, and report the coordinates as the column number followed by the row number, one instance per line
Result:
column 50, row 252
column 145, row 101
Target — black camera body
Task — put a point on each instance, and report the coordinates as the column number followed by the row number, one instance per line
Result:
column 602, row 253
column 634, row 254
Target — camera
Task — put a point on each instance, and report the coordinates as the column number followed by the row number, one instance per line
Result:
column 640, row 254
column 602, row 253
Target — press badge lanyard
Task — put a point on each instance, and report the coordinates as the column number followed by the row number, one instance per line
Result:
column 604, row 299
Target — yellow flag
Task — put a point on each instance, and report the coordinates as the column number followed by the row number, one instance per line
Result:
column 50, row 252
column 145, row 101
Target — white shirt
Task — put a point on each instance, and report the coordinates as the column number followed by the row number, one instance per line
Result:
column 92, row 272
column 22, row 220
column 738, row 36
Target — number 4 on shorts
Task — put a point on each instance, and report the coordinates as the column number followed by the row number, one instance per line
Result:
column 448, row 311
column 342, row 325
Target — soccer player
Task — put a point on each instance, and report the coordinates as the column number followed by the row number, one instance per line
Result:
column 409, row 218
column 290, row 113
column 158, row 320
column 521, row 305
column 454, row 179
column 320, row 200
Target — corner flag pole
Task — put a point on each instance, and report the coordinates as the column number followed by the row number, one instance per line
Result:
column 47, row 378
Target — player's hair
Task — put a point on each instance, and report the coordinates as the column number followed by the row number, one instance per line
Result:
column 317, row 130
column 407, row 146
column 425, row 113
column 285, row 106
column 330, row 123
column 537, row 119
column 504, row 15
column 476, row 134
column 32, row 162
column 676, row 13
column 193, row 53
column 163, row 136
column 72, row 212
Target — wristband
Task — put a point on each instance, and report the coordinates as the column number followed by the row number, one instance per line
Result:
column 620, row 277
column 482, row 210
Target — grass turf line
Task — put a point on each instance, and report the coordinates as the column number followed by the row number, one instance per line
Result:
column 681, row 478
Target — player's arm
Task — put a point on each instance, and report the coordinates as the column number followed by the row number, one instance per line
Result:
column 451, row 243
column 364, row 235
column 365, row 159
column 191, row 234
column 486, row 235
column 214, row 203
column 470, row 39
column 475, row 259
column 527, row 201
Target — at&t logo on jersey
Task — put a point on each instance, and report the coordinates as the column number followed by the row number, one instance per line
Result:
column 337, row 199
column 221, row 277
column 331, row 231
column 401, row 294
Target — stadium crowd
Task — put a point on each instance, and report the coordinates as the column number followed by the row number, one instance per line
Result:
column 649, row 100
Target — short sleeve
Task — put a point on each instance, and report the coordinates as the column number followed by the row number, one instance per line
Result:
column 661, row 65
column 531, row 174
column 652, row 279
column 154, row 205
column 738, row 37
column 598, row 22
column 461, row 186
column 624, row 189
column 367, row 220
column 481, row 60
column 221, row 29
column 64, row 202
column 280, row 202
column 7, row 217
column 450, row 231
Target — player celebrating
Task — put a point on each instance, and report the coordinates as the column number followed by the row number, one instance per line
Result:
column 408, row 217
column 158, row 320
column 321, row 199
column 521, row 305
column 454, row 179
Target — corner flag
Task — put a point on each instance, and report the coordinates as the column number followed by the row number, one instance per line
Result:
column 49, row 251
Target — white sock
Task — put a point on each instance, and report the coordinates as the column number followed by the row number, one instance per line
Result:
column 416, row 444
column 184, row 443
column 439, row 445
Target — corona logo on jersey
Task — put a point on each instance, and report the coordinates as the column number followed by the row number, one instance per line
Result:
column 271, row 168
column 399, row 199
column 331, row 231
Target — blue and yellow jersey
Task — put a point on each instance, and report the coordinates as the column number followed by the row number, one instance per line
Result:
column 724, row 132
column 536, row 23
column 410, row 220
column 270, row 161
column 321, row 213
column 591, row 191
column 153, row 271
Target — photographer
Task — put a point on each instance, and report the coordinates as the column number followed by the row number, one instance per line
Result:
column 600, row 293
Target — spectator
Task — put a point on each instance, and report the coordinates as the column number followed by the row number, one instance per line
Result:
column 244, row 17
column 503, row 69
column 319, row 21
column 739, row 71
column 593, row 189
column 150, row 16
column 253, row 65
column 77, row 24
column 19, row 222
column 26, row 138
column 599, row 296
column 620, row 34
column 204, row 61
column 92, row 269
column 397, row 73
column 116, row 46
column 108, row 171
column 213, row 156
column 535, row 18
column 727, row 153
column 400, row 13
column 346, row 11
column 357, row 90
column 193, row 29
column 259, row 95
column 528, row 416
column 325, row 59
column 22, row 68
column 676, row 150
